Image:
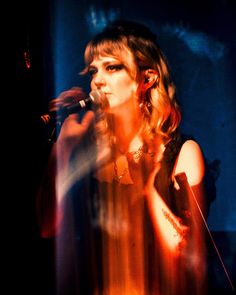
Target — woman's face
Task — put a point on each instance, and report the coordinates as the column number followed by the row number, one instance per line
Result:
column 109, row 75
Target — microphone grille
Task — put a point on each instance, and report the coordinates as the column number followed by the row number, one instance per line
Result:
column 99, row 98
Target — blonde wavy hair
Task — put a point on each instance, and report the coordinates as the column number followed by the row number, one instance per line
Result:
column 161, row 112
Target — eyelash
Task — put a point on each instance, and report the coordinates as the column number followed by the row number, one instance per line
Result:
column 115, row 67
column 109, row 68
column 91, row 72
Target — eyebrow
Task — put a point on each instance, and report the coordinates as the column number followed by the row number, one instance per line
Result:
column 105, row 63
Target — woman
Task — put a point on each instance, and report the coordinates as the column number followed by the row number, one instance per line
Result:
column 144, row 190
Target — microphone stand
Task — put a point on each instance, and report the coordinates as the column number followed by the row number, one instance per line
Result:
column 182, row 180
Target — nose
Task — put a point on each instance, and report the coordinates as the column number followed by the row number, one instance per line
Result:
column 99, row 80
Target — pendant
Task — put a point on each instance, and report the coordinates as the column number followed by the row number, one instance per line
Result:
column 117, row 176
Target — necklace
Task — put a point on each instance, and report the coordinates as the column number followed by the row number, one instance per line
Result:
column 136, row 155
column 117, row 176
column 129, row 156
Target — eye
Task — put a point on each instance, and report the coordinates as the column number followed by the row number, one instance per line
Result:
column 92, row 71
column 113, row 68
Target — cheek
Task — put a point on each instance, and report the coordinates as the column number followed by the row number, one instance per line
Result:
column 129, row 90
column 92, row 85
column 126, row 92
column 127, row 86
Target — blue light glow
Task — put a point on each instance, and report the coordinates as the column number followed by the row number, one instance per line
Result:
column 198, row 42
column 98, row 18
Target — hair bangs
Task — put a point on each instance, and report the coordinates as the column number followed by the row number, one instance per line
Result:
column 105, row 48
column 108, row 47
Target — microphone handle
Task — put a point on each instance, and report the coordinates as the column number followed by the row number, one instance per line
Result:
column 81, row 104
column 63, row 112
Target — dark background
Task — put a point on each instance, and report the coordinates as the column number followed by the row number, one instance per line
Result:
column 199, row 39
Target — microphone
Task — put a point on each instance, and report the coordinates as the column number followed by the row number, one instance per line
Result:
column 96, row 99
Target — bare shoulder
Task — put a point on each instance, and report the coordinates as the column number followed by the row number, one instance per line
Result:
column 191, row 148
column 191, row 161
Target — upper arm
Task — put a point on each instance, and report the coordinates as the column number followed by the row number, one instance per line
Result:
column 191, row 162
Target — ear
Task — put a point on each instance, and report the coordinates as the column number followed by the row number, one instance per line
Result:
column 149, row 77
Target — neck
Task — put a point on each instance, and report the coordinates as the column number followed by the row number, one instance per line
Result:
column 126, row 127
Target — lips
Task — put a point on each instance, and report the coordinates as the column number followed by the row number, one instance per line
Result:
column 106, row 103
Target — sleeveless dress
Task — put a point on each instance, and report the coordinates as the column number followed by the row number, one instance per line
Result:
column 130, row 257
column 115, row 250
